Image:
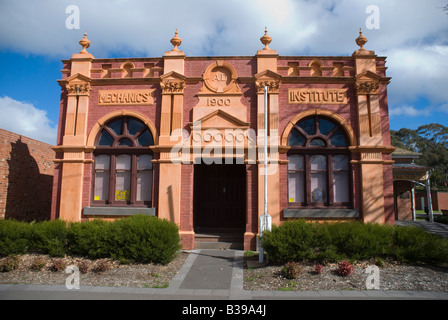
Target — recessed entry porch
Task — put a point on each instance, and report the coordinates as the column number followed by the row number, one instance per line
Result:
column 219, row 205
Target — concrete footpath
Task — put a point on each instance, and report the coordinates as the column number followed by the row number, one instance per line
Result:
column 206, row 275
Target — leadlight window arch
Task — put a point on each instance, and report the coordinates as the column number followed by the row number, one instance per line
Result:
column 319, row 172
column 123, row 170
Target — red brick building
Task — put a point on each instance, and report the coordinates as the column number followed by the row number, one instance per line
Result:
column 26, row 177
column 183, row 138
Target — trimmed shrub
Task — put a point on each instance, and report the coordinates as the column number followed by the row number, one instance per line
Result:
column 49, row 237
column 144, row 239
column 413, row 244
column 89, row 239
column 137, row 238
column 292, row 241
column 331, row 242
column 14, row 237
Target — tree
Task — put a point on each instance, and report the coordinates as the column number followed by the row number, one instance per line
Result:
column 432, row 141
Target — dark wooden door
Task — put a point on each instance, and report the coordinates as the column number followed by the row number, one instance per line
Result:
column 220, row 196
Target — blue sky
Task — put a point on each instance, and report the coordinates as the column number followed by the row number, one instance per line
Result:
column 34, row 38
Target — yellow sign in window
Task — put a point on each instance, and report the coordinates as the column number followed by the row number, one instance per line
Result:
column 123, row 195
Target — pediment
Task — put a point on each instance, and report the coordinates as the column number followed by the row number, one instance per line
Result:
column 368, row 76
column 219, row 119
column 77, row 78
column 267, row 75
column 173, row 75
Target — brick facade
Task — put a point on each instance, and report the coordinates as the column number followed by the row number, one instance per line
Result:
column 26, row 176
column 226, row 93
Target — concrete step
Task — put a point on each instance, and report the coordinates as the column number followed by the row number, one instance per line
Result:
column 219, row 241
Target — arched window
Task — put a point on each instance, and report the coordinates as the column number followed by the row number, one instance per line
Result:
column 123, row 173
column 318, row 168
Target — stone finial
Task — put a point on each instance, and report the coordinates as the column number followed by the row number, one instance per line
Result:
column 266, row 39
column 85, row 43
column 361, row 40
column 176, row 41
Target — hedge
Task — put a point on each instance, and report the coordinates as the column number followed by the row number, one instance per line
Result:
column 299, row 240
column 137, row 238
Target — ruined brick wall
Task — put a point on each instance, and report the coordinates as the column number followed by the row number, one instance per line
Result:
column 26, row 177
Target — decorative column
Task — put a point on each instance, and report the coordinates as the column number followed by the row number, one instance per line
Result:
column 75, row 135
column 267, row 76
column 173, row 86
column 370, row 142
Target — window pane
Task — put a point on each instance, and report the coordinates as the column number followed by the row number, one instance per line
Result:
column 101, row 186
column 117, row 126
column 318, row 187
column 340, row 186
column 134, row 126
column 124, row 162
column 126, row 142
column 296, row 139
column 106, row 139
column 317, row 143
column 295, row 187
column 308, row 126
column 145, row 139
column 123, row 186
column 318, row 163
column 325, row 126
column 340, row 162
column 338, row 139
column 144, row 162
column 144, row 186
column 102, row 162
column 295, row 163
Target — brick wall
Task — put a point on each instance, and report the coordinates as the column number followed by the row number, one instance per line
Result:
column 26, row 177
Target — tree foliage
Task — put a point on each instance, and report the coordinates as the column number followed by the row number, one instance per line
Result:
column 431, row 141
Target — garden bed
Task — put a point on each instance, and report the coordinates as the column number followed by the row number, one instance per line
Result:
column 392, row 276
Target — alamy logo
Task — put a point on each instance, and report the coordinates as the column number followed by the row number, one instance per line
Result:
column 373, row 278
column 72, row 21
column 373, row 20
column 72, row 281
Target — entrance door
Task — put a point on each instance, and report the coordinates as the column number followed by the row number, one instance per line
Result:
column 220, row 197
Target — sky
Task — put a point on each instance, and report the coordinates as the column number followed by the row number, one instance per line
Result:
column 35, row 35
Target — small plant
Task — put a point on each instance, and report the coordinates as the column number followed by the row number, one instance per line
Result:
column 38, row 264
column 101, row 266
column 291, row 270
column 58, row 265
column 83, row 266
column 379, row 262
column 318, row 268
column 10, row 263
column 344, row 269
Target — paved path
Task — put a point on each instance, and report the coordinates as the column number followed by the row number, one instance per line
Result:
column 205, row 275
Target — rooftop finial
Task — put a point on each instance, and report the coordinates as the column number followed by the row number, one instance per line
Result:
column 85, row 43
column 361, row 40
column 266, row 39
column 176, row 41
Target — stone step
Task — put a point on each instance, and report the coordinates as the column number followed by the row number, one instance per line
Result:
column 219, row 241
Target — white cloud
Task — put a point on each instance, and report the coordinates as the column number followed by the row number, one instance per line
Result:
column 417, row 72
column 231, row 27
column 25, row 119
column 413, row 33
column 410, row 111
